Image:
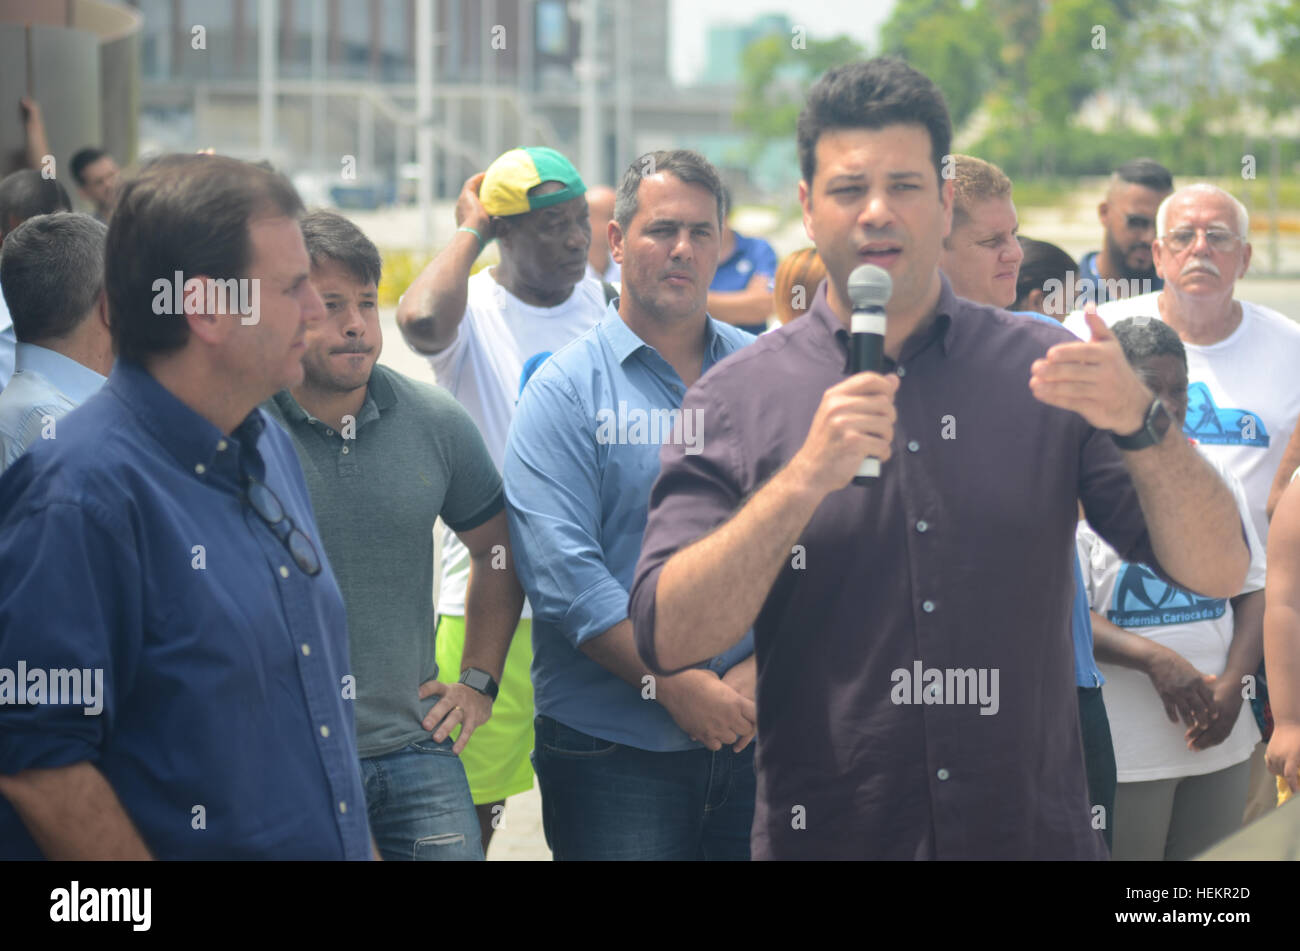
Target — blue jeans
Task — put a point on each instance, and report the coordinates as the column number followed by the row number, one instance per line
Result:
column 603, row 801
column 419, row 805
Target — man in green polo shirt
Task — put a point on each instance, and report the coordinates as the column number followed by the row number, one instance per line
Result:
column 384, row 456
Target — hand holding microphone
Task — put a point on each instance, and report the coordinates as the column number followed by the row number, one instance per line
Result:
column 852, row 431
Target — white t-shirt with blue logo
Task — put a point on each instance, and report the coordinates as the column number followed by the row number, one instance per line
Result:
column 1147, row 746
column 1243, row 393
column 482, row 369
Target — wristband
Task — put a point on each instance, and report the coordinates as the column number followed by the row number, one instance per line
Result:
column 481, row 243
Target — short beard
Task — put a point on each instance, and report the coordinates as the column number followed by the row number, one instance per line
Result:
column 1120, row 259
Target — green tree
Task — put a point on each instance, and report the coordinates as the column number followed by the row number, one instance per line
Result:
column 775, row 74
column 952, row 43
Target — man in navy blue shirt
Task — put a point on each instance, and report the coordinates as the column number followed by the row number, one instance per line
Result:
column 741, row 292
column 173, row 649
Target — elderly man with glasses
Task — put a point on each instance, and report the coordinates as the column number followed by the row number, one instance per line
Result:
column 1243, row 392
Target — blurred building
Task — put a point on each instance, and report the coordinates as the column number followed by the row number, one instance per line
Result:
column 79, row 60
column 506, row 72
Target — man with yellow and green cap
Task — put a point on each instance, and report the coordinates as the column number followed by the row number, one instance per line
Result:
column 479, row 333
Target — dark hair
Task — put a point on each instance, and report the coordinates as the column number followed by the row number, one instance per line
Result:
column 1043, row 262
column 871, row 95
column 52, row 269
column 83, row 158
column 26, row 193
column 186, row 213
column 684, row 164
column 1146, row 172
column 331, row 237
column 1142, row 338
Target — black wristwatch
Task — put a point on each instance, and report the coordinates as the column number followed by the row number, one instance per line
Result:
column 479, row 680
column 1154, row 427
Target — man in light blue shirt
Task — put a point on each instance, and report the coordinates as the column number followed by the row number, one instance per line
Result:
column 52, row 272
column 630, row 766
column 23, row 194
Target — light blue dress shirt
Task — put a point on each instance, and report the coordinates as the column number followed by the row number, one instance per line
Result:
column 45, row 385
column 582, row 454
column 7, row 343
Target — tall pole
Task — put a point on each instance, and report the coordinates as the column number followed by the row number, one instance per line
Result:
column 424, row 113
column 266, row 68
column 589, row 107
column 318, row 141
column 623, row 144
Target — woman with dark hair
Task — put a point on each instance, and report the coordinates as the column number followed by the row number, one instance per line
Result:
column 1044, row 262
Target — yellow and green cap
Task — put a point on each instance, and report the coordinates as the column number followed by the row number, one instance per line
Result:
column 505, row 186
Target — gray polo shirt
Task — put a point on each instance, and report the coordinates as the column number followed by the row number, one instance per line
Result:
column 415, row 455
column 958, row 560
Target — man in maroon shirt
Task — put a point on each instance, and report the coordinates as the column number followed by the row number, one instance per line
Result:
column 915, row 673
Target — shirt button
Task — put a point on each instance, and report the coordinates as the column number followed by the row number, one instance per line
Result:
column 221, row 445
column 345, row 450
column 943, row 774
column 306, row 650
column 922, row 525
column 902, row 371
column 343, row 807
column 325, row 731
column 913, row 446
column 200, row 468
column 284, row 571
column 329, row 432
column 927, row 606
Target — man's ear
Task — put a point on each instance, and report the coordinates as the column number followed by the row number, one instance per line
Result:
column 1103, row 210
column 615, row 238
column 805, row 200
column 946, row 192
column 101, row 308
column 1157, row 258
column 210, row 328
column 1245, row 260
column 1034, row 301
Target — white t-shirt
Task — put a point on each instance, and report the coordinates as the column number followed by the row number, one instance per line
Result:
column 482, row 369
column 1147, row 745
column 1243, row 393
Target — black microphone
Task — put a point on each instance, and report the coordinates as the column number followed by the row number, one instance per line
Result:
column 869, row 290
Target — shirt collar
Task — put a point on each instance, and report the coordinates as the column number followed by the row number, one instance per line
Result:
column 944, row 327
column 74, row 380
column 199, row 446
column 624, row 342
column 380, row 396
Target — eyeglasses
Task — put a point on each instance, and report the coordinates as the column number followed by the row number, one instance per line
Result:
column 1219, row 239
column 268, row 508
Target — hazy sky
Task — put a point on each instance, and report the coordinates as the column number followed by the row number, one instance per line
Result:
column 690, row 20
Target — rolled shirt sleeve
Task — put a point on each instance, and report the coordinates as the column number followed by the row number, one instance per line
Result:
column 694, row 494
column 67, row 604
column 553, row 507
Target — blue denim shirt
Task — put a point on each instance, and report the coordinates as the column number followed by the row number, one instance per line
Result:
column 1086, row 671
column 125, row 548
column 582, row 454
